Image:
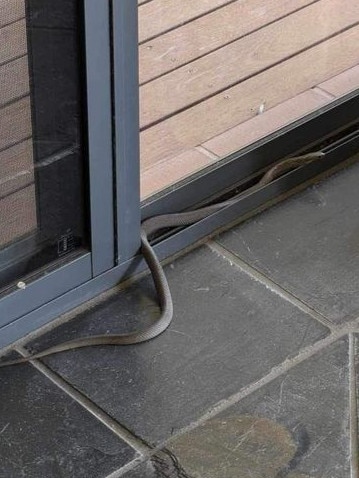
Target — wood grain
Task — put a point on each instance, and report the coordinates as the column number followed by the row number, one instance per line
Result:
column 15, row 123
column 16, row 168
column 13, row 41
column 11, row 10
column 17, row 191
column 260, row 50
column 159, row 16
column 162, row 175
column 14, row 77
column 343, row 83
column 17, row 215
column 208, row 33
column 262, row 125
column 241, row 102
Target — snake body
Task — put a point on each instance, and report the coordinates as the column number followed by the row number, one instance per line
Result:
column 148, row 227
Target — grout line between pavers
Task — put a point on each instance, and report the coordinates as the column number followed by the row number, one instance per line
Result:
column 269, row 284
column 132, row 465
column 353, row 411
column 146, row 451
column 275, row 373
column 136, row 443
column 128, row 467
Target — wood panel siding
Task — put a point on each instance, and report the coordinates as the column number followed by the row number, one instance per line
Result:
column 158, row 16
column 13, row 42
column 17, row 215
column 258, row 52
column 216, row 74
column 200, row 37
column 15, row 123
column 17, row 190
column 11, row 11
column 16, row 168
column 14, row 80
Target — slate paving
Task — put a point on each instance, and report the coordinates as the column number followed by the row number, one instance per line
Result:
column 214, row 348
column 45, row 433
column 309, row 245
column 248, row 382
column 297, row 423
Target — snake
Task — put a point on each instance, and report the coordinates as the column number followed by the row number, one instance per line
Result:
column 148, row 228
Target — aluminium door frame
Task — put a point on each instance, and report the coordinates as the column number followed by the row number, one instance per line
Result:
column 43, row 288
column 126, row 125
column 97, row 14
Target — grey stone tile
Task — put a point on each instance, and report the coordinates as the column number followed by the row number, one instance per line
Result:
column 295, row 427
column 44, row 433
column 309, row 245
column 228, row 331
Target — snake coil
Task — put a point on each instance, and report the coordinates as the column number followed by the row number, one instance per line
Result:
column 148, row 227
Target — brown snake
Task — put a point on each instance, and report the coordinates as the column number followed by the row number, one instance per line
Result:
column 148, row 227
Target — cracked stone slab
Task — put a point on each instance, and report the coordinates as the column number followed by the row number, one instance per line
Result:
column 295, row 427
column 228, row 331
column 45, row 433
column 309, row 245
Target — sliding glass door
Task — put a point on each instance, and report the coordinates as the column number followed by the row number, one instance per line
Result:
column 54, row 234
column 43, row 210
column 112, row 111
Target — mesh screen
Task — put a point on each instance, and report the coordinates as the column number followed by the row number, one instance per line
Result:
column 17, row 191
column 42, row 165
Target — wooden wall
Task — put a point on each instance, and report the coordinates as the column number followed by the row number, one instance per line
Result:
column 17, row 190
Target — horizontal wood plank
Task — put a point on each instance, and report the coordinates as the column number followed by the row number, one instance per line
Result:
column 208, row 33
column 162, row 175
column 241, row 102
column 260, row 50
column 11, row 10
column 17, row 215
column 264, row 124
column 15, row 123
column 16, row 168
column 14, row 78
column 344, row 83
column 159, row 16
column 13, row 42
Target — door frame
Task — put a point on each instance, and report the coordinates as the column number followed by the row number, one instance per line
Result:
column 56, row 280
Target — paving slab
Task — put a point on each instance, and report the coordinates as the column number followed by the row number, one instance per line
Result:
column 228, row 331
column 309, row 245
